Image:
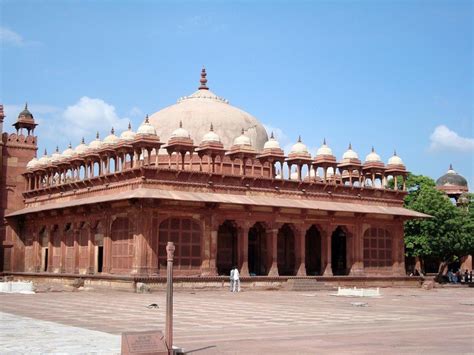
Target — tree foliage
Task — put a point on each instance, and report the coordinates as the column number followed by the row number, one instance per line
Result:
column 449, row 234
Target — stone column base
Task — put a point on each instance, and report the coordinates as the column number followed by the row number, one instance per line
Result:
column 273, row 270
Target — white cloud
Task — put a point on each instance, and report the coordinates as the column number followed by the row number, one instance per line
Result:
column 444, row 138
column 11, row 37
column 135, row 112
column 89, row 115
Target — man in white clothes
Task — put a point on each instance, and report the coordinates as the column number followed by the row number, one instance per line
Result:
column 236, row 278
column 231, row 280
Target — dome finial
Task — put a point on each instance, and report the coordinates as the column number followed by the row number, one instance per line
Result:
column 272, row 136
column 299, row 138
column 394, row 152
column 451, row 166
column 112, row 131
column 324, row 141
column 57, row 149
column 243, row 132
column 203, row 80
column 70, row 145
column 212, row 128
column 82, row 140
column 97, row 135
column 26, row 105
column 146, row 119
column 373, row 150
column 350, row 146
column 45, row 152
column 129, row 126
column 180, row 124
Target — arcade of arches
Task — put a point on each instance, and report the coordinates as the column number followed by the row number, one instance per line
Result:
column 134, row 243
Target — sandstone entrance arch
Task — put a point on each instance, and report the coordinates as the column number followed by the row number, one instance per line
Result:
column 286, row 251
column 313, row 251
column 339, row 251
column 227, row 244
column 257, row 251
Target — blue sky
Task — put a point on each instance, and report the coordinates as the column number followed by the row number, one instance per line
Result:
column 392, row 74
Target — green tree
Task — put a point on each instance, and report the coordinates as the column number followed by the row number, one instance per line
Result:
column 448, row 235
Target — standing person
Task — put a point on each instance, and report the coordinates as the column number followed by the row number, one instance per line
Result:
column 236, row 278
column 232, row 280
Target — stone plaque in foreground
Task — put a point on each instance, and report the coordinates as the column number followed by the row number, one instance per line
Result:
column 149, row 342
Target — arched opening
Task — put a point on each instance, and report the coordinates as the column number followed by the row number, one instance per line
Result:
column 185, row 233
column 99, row 247
column 313, row 251
column 286, row 251
column 338, row 254
column 122, row 246
column 377, row 248
column 257, row 253
column 227, row 256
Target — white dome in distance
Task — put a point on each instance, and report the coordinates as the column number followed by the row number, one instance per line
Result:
column 56, row 156
column 373, row 157
column 128, row 135
column 146, row 128
column 32, row 163
column 68, row 153
column 96, row 143
column 350, row 154
column 180, row 132
column 111, row 138
column 242, row 139
column 44, row 160
column 324, row 149
column 272, row 143
column 211, row 136
column 81, row 148
column 299, row 147
column 395, row 159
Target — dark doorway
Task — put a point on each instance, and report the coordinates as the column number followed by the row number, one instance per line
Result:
column 313, row 251
column 100, row 258
column 257, row 250
column 226, row 248
column 338, row 255
column 45, row 263
column 286, row 251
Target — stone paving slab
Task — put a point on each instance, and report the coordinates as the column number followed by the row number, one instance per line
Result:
column 408, row 321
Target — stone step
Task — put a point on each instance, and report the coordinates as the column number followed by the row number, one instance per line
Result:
column 307, row 285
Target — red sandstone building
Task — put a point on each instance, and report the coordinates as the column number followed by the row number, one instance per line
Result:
column 205, row 175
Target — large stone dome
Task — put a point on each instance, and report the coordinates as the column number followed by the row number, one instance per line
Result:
column 203, row 108
column 452, row 178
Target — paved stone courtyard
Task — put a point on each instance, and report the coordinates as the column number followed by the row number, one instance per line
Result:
column 408, row 321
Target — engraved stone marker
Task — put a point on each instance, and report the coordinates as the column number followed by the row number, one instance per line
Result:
column 150, row 342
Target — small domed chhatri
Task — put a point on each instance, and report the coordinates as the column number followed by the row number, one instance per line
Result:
column 44, row 160
column 452, row 183
column 56, row 156
column 243, row 139
column 33, row 163
column 211, row 136
column 68, row 152
column 326, row 160
column 271, row 154
column 81, row 148
column 111, row 139
column 350, row 167
column 96, row 143
column 373, row 170
column 146, row 128
column 395, row 160
column 299, row 156
column 128, row 135
column 373, row 157
column 350, row 154
column 272, row 143
column 180, row 132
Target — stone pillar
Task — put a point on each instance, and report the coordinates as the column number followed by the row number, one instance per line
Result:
column 209, row 246
column 300, row 246
column 36, row 250
column 50, row 249
column 90, row 251
column 273, row 236
column 398, row 250
column 243, row 242
column 107, row 261
column 142, row 228
column 357, row 249
column 75, row 235
column 62, row 264
column 326, row 238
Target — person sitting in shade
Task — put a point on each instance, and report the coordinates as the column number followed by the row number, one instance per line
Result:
column 232, row 271
column 236, row 279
